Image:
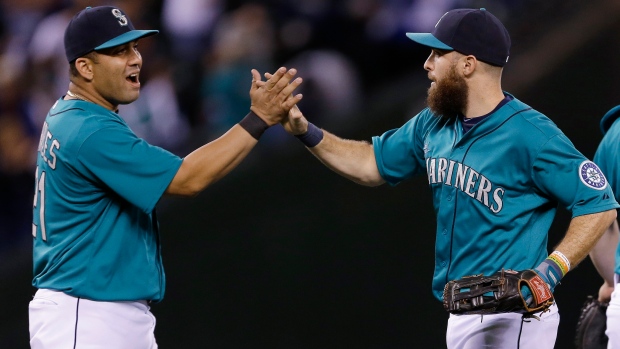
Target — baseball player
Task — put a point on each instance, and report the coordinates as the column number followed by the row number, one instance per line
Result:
column 97, row 252
column 606, row 254
column 497, row 170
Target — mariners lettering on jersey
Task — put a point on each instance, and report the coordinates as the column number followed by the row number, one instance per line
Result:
column 452, row 173
column 47, row 146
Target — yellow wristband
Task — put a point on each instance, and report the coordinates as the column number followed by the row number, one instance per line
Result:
column 560, row 259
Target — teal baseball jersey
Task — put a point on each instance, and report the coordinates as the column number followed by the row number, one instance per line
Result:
column 495, row 189
column 94, row 224
column 608, row 157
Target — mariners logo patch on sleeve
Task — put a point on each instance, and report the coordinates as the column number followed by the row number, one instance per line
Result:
column 592, row 176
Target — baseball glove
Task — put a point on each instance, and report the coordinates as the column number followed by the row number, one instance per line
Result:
column 498, row 293
column 590, row 333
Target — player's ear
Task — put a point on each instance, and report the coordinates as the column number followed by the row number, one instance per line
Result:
column 84, row 67
column 469, row 65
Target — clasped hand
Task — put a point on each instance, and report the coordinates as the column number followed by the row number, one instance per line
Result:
column 296, row 123
column 272, row 100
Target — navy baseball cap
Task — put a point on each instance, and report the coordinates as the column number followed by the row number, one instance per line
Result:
column 470, row 32
column 97, row 28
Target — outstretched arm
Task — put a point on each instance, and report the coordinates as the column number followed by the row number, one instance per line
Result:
column 352, row 159
column 271, row 102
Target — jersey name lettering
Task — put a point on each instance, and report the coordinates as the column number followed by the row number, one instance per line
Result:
column 47, row 146
column 452, row 173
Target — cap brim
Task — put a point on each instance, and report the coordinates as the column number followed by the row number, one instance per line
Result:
column 126, row 37
column 427, row 39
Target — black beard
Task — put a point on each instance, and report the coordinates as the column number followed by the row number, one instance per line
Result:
column 448, row 97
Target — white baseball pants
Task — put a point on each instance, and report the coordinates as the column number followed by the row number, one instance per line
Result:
column 503, row 331
column 58, row 320
column 613, row 317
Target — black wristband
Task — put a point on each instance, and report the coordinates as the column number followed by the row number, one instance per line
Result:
column 254, row 125
column 312, row 137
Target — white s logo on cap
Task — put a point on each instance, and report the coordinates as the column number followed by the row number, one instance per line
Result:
column 122, row 20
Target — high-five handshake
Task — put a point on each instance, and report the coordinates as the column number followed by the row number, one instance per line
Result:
column 272, row 99
column 296, row 123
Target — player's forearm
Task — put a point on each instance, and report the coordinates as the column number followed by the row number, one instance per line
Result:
column 209, row 163
column 604, row 252
column 583, row 233
column 354, row 160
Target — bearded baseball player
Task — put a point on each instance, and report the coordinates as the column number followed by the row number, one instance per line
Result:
column 606, row 254
column 97, row 252
column 497, row 170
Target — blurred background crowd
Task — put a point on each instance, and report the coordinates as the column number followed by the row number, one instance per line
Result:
column 196, row 73
column 361, row 76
